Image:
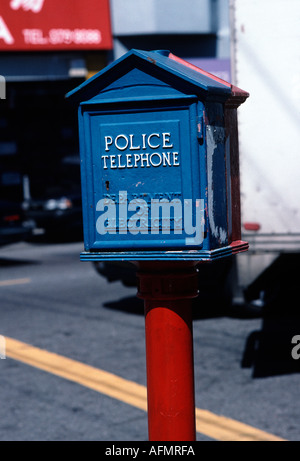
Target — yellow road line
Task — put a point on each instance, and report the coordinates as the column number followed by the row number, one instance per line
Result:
column 5, row 283
column 208, row 423
column 88, row 376
column 227, row 429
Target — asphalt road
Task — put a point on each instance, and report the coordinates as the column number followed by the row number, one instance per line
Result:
column 51, row 300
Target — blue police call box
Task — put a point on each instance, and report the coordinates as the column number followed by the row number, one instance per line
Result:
column 159, row 161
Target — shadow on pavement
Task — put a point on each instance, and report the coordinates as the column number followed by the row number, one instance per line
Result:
column 131, row 305
column 9, row 262
column 269, row 350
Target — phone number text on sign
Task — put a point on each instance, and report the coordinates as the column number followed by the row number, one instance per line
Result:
column 62, row 36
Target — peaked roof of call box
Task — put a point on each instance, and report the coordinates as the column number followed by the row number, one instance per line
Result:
column 165, row 66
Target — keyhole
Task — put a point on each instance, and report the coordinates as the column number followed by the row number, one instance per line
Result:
column 107, row 185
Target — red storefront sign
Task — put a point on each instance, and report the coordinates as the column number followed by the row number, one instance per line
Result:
column 27, row 25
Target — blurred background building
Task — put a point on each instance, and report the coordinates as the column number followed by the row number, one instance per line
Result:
column 49, row 47
column 195, row 30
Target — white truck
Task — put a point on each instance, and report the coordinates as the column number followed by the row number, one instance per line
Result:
column 265, row 40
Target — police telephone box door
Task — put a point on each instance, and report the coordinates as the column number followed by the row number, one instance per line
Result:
column 142, row 175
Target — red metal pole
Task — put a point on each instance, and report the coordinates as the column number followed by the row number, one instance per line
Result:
column 167, row 295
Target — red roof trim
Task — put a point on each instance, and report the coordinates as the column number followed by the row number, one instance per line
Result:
column 197, row 69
